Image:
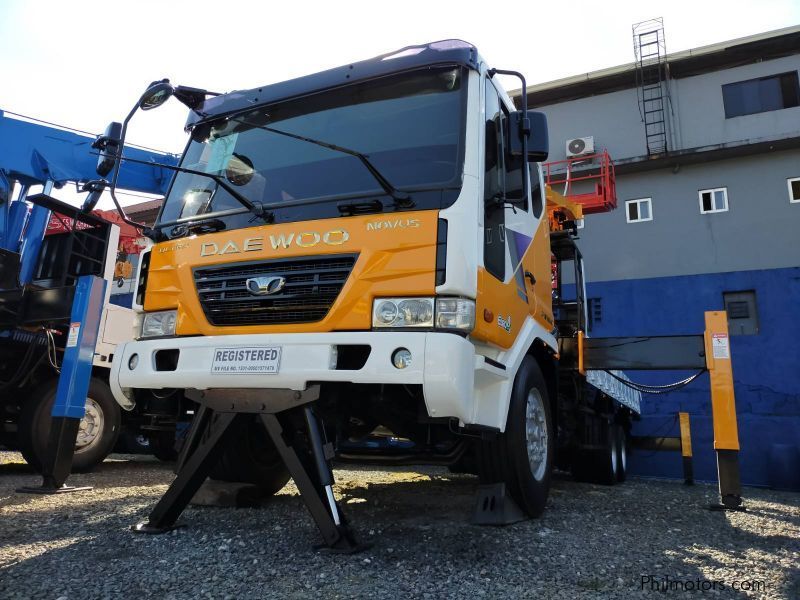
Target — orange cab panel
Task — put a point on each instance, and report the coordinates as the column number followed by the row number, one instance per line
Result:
column 332, row 269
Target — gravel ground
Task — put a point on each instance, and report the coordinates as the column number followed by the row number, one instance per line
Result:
column 591, row 542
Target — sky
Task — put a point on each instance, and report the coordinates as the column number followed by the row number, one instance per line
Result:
column 83, row 63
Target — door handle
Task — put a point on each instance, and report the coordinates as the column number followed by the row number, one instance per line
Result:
column 530, row 277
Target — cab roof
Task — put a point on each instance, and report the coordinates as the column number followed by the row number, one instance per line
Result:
column 444, row 52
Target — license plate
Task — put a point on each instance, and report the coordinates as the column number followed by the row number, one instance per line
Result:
column 246, row 360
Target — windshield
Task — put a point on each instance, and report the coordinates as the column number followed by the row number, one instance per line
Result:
column 409, row 126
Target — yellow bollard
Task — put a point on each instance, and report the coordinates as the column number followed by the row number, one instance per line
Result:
column 723, row 407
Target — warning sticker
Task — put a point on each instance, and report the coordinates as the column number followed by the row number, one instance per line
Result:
column 721, row 348
column 72, row 338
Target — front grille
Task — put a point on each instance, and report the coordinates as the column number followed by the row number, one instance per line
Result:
column 312, row 286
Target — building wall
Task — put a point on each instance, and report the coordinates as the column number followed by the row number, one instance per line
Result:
column 760, row 230
column 614, row 120
column 701, row 115
column 765, row 366
column 658, row 277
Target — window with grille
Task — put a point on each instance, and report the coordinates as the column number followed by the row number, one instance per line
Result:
column 742, row 312
column 595, row 310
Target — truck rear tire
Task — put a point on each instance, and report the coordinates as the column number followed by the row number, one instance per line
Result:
column 599, row 465
column 522, row 456
column 98, row 432
column 606, row 467
column 252, row 458
column 622, row 453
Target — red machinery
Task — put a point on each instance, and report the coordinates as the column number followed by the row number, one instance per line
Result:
column 127, row 249
column 127, row 233
column 594, row 172
column 587, row 181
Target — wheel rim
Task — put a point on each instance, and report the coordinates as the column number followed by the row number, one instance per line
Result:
column 536, row 434
column 91, row 427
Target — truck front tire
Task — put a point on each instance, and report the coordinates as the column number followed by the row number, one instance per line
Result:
column 252, row 458
column 162, row 445
column 522, row 456
column 98, row 431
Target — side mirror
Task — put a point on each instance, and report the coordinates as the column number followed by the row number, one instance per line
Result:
column 532, row 125
column 108, row 144
column 95, row 189
column 155, row 95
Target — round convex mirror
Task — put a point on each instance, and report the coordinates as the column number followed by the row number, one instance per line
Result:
column 239, row 170
column 158, row 93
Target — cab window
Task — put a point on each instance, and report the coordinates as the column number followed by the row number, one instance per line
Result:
column 503, row 183
column 494, row 242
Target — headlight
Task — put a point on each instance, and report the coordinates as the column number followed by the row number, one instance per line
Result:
column 455, row 313
column 159, row 323
column 402, row 312
column 442, row 313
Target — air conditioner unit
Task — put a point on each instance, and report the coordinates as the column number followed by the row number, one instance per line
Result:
column 580, row 146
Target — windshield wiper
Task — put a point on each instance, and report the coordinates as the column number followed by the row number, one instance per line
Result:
column 402, row 198
column 360, row 208
column 202, row 226
column 257, row 209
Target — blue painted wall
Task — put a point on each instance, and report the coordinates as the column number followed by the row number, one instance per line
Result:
column 766, row 366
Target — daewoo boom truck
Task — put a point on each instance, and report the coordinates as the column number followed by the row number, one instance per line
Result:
column 365, row 265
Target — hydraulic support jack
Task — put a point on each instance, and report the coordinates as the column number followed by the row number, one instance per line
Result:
column 73, row 385
column 710, row 351
column 222, row 414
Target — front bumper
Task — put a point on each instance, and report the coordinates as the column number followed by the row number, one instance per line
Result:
column 443, row 363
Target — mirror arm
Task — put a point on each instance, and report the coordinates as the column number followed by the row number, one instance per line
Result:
column 525, row 123
column 117, row 160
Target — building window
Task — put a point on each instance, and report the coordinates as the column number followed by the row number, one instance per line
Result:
column 714, row 200
column 761, row 95
column 794, row 189
column 639, row 210
column 742, row 312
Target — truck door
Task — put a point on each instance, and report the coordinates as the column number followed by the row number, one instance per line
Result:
column 537, row 262
column 509, row 231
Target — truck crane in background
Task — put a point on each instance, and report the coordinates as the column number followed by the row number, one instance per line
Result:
column 45, row 247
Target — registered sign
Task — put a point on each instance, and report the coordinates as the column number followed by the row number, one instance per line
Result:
column 246, row 360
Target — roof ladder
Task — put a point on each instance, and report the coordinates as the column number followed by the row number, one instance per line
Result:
column 652, row 86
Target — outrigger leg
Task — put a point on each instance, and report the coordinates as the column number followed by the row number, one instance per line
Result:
column 197, row 460
column 307, row 458
column 315, row 484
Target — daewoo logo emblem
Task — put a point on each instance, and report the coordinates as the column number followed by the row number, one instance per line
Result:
column 278, row 241
column 263, row 286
